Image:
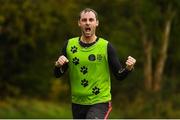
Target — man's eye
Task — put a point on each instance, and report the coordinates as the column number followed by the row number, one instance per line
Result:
column 91, row 19
column 83, row 20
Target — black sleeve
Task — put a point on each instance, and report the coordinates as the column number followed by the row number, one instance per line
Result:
column 116, row 67
column 59, row 71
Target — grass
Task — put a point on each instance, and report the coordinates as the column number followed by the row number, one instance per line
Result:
column 23, row 108
column 138, row 108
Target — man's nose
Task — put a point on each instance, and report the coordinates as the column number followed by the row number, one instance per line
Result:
column 87, row 22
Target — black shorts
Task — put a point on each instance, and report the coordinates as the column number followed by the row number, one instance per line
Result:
column 96, row 111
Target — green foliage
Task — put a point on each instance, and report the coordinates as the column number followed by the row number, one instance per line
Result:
column 29, row 35
column 33, row 109
column 146, row 106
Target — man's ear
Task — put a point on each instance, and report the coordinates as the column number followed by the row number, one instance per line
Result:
column 97, row 22
column 78, row 23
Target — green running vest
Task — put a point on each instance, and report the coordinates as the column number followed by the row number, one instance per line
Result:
column 89, row 72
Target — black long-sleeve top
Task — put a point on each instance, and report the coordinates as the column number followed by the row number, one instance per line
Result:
column 115, row 66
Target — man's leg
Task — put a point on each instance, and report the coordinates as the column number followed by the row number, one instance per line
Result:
column 99, row 111
column 79, row 111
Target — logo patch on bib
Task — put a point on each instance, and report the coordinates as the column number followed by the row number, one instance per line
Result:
column 92, row 57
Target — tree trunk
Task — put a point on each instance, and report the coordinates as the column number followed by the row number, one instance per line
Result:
column 148, row 65
column 147, row 46
column 162, row 56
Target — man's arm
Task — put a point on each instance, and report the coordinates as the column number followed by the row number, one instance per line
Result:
column 61, row 64
column 117, row 69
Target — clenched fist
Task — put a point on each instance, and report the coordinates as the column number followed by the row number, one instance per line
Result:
column 61, row 61
column 130, row 63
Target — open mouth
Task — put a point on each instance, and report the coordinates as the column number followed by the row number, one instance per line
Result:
column 87, row 29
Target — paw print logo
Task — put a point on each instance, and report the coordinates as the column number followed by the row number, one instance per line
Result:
column 84, row 82
column 75, row 60
column 73, row 49
column 95, row 90
column 84, row 70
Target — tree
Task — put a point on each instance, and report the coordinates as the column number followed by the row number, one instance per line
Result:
column 155, row 19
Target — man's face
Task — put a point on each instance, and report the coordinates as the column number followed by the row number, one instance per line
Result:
column 88, row 23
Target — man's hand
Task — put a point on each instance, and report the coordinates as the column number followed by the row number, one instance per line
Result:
column 130, row 63
column 61, row 61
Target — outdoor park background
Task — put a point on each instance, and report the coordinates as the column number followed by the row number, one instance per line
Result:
column 32, row 33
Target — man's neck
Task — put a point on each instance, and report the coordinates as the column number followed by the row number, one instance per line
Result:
column 88, row 39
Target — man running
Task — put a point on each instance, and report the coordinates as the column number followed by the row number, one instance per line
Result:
column 89, row 59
